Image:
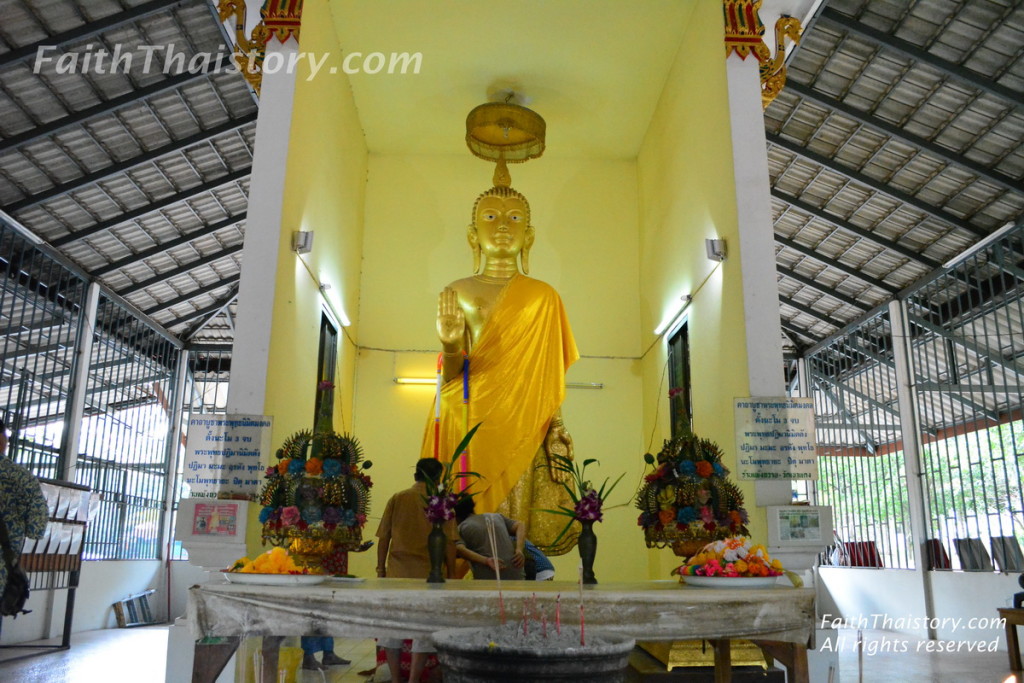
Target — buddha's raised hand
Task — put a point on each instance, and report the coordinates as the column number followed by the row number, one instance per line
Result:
column 451, row 321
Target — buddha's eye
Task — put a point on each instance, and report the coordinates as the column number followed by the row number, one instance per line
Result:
column 515, row 217
column 489, row 216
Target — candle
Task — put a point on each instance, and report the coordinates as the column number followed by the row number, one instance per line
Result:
column 544, row 624
column 526, row 627
column 558, row 614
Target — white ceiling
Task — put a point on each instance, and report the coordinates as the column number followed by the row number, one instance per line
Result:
column 594, row 69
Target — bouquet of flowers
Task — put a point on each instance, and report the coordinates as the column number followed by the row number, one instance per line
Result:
column 445, row 492
column 733, row 557
column 688, row 500
column 587, row 501
column 318, row 490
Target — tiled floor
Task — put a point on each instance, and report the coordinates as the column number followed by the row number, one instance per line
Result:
column 139, row 655
column 890, row 663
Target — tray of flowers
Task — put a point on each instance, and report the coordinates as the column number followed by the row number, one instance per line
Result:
column 732, row 563
column 272, row 568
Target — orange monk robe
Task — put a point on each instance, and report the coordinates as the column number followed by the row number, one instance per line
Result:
column 516, row 385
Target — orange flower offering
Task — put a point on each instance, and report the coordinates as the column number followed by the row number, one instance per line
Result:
column 314, row 466
column 733, row 557
column 274, row 561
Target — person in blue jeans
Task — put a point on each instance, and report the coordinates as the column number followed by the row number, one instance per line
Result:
column 313, row 644
column 538, row 566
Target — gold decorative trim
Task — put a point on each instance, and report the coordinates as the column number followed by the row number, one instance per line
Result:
column 280, row 19
column 744, row 35
column 249, row 50
column 773, row 71
column 744, row 31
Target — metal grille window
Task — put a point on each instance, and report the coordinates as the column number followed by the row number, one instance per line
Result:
column 124, row 442
column 861, row 466
column 206, row 393
column 40, row 316
column 967, row 350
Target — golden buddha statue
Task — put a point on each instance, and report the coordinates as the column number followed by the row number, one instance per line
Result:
column 514, row 332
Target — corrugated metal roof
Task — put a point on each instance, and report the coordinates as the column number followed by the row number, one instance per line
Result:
column 139, row 176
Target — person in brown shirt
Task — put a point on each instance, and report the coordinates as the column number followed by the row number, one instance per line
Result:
column 402, row 552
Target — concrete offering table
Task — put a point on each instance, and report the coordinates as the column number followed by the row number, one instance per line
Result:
column 780, row 620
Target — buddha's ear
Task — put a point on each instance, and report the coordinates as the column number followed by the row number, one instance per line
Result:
column 524, row 255
column 474, row 244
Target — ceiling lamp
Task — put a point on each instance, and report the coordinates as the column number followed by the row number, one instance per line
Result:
column 505, row 132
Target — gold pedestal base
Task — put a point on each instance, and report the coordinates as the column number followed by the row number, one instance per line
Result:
column 697, row 653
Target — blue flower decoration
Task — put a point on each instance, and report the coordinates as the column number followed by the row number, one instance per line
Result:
column 332, row 468
column 265, row 514
column 719, row 470
column 686, row 515
column 312, row 514
column 296, row 466
column 348, row 517
column 687, row 468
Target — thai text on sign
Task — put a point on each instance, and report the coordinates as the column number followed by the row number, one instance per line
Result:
column 224, row 455
column 775, row 438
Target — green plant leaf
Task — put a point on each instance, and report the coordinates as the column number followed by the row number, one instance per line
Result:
column 465, row 441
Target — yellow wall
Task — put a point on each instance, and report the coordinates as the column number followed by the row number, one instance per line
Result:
column 417, row 211
column 620, row 240
column 324, row 192
column 686, row 194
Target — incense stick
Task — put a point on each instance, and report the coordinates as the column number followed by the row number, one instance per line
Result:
column 497, row 566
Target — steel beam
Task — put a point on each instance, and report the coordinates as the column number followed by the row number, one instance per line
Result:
column 863, row 233
column 817, row 286
column 993, row 355
column 188, row 296
column 210, row 312
column 192, row 265
column 869, row 444
column 799, row 331
column 88, row 29
column 876, row 185
column 841, row 267
column 165, row 246
column 920, row 380
column 827, row 319
column 911, row 51
column 105, row 107
column 131, row 162
column 185, row 195
column 947, row 155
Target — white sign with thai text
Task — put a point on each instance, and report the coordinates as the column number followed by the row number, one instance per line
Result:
column 224, row 455
column 775, row 438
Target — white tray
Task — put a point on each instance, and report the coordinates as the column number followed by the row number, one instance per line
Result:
column 274, row 579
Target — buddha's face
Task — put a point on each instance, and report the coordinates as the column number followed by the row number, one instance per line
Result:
column 501, row 227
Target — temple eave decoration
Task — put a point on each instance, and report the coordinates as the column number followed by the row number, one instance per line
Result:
column 744, row 35
column 280, row 19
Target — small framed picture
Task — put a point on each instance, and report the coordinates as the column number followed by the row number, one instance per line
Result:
column 799, row 525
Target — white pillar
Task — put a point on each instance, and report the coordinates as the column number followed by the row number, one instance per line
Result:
column 251, row 351
column 757, row 246
column 75, row 409
column 911, row 436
